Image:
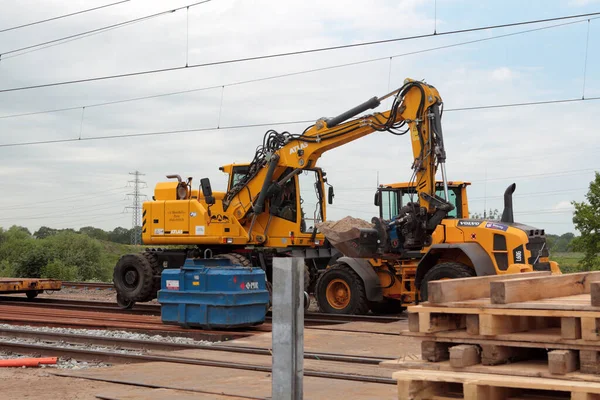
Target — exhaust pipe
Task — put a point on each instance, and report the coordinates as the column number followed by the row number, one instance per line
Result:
column 507, row 214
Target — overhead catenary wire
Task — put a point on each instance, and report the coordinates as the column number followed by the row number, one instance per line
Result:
column 263, row 124
column 296, row 52
column 63, row 16
column 290, row 74
column 81, row 35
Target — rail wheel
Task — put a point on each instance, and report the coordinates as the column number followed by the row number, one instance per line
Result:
column 31, row 294
column 134, row 278
column 339, row 290
column 446, row 270
column 124, row 303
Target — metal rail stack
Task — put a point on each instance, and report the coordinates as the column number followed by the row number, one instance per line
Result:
column 506, row 337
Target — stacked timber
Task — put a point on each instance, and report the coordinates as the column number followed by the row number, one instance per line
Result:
column 506, row 337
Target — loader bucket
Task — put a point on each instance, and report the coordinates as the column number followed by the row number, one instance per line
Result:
column 352, row 237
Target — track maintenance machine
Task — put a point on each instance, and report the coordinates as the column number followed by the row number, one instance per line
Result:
column 264, row 212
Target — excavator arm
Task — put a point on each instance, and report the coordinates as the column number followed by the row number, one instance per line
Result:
column 416, row 111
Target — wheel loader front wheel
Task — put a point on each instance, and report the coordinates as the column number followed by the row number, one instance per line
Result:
column 446, row 270
column 339, row 290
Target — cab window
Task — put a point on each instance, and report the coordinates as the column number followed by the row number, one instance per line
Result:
column 237, row 174
column 389, row 204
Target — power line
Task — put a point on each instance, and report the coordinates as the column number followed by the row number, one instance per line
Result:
column 221, row 128
column 285, row 75
column 81, row 35
column 63, row 16
column 297, row 52
column 70, row 198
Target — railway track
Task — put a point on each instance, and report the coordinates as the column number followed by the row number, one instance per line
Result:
column 154, row 309
column 88, row 285
column 54, row 345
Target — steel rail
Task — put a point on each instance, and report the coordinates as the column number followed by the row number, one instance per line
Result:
column 140, row 344
column 117, row 358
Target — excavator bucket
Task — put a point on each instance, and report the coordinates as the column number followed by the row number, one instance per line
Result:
column 353, row 237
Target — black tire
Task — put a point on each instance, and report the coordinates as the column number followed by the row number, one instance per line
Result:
column 447, row 270
column 134, row 278
column 387, row 306
column 156, row 271
column 236, row 259
column 31, row 294
column 357, row 304
column 306, row 277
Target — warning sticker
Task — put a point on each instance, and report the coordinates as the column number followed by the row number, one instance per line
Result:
column 172, row 285
column 200, row 230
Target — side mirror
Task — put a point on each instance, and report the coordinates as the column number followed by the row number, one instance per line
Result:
column 376, row 198
column 207, row 191
column 330, row 195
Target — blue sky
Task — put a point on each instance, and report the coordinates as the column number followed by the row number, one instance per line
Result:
column 550, row 151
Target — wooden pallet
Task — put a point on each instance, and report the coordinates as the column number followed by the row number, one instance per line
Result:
column 557, row 361
column 441, row 385
column 499, row 305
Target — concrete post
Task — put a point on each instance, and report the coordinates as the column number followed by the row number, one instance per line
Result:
column 288, row 328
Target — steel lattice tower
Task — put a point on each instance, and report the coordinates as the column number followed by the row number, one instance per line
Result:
column 136, row 208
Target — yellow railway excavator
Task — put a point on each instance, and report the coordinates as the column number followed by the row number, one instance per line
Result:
column 273, row 205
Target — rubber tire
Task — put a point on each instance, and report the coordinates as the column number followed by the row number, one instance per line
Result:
column 144, row 290
column 306, row 277
column 31, row 294
column 386, row 307
column 358, row 299
column 156, row 271
column 236, row 259
column 447, row 270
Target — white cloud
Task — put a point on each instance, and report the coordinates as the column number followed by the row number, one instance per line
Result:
column 503, row 74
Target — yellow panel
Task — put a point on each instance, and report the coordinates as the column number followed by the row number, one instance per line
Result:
column 176, row 217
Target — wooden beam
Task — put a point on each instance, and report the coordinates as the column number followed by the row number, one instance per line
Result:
column 435, row 351
column 595, row 292
column 589, row 361
column 589, row 329
column 437, row 322
column 561, row 362
column 491, row 325
column 545, row 287
column 570, row 328
column 464, row 355
column 495, row 355
column 468, row 288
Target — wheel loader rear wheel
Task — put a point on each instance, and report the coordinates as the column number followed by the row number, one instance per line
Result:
column 446, row 270
column 134, row 278
column 340, row 290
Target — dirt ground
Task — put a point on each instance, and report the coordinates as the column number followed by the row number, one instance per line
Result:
column 17, row 384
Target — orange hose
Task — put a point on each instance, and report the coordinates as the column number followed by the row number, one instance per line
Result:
column 27, row 362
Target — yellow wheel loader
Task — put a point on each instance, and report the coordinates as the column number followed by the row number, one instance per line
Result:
column 460, row 247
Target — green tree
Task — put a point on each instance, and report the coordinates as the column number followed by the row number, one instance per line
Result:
column 73, row 249
column 44, row 232
column 586, row 219
column 95, row 233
